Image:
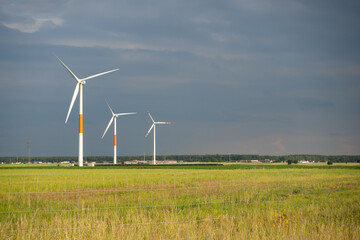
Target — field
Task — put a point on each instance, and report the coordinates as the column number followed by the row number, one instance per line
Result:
column 261, row 201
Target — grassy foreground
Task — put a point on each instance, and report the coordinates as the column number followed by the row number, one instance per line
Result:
column 180, row 203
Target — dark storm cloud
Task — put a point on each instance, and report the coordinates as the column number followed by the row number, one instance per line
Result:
column 234, row 76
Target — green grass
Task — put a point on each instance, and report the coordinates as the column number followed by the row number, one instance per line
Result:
column 242, row 201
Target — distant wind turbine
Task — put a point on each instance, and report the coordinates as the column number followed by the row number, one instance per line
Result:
column 114, row 116
column 154, row 126
column 79, row 88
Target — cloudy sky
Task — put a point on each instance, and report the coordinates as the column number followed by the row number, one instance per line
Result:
column 234, row 76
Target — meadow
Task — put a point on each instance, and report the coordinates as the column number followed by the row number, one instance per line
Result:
column 246, row 201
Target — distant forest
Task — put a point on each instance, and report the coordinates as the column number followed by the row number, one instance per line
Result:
column 193, row 158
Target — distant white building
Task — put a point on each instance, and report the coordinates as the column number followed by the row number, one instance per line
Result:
column 254, row 161
column 133, row 162
column 137, row 162
column 168, row 162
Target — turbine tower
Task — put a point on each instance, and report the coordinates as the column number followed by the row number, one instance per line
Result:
column 114, row 116
column 154, row 126
column 79, row 88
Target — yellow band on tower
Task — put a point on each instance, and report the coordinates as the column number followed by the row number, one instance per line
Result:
column 80, row 123
column 114, row 140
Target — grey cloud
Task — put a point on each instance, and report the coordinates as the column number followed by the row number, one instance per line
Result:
column 30, row 16
column 33, row 25
column 233, row 76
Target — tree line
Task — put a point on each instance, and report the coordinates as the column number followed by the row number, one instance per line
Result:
column 194, row 158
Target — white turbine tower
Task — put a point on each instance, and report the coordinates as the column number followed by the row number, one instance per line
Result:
column 154, row 126
column 114, row 116
column 79, row 88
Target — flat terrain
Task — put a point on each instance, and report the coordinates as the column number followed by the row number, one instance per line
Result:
column 245, row 201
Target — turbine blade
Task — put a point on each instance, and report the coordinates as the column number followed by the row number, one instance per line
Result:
column 151, row 117
column 150, row 129
column 99, row 74
column 110, row 108
column 123, row 114
column 68, row 69
column 162, row 122
column 111, row 120
column 73, row 100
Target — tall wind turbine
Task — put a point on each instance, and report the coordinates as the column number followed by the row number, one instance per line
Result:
column 114, row 116
column 79, row 88
column 154, row 126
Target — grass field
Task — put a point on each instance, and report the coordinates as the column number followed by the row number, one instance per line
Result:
column 261, row 201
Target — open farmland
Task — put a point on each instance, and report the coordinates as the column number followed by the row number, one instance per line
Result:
column 222, row 202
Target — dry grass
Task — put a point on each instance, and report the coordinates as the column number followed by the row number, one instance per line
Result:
column 178, row 204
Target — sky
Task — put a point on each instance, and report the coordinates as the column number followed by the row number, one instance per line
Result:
column 234, row 76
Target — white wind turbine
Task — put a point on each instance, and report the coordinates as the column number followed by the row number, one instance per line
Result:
column 154, row 126
column 114, row 116
column 79, row 88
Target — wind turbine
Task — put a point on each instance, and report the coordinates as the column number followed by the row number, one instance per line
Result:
column 79, row 88
column 154, row 126
column 114, row 116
